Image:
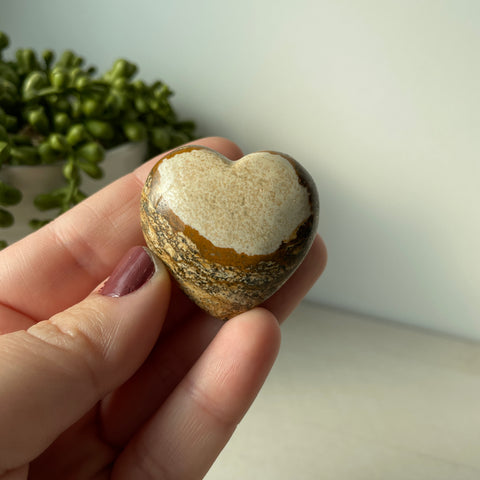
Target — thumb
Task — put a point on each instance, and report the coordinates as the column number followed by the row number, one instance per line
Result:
column 57, row 370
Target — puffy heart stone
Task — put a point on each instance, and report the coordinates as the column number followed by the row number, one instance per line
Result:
column 230, row 232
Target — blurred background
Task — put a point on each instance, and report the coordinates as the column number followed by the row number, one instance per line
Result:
column 380, row 100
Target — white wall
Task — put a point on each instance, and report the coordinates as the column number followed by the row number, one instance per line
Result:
column 379, row 99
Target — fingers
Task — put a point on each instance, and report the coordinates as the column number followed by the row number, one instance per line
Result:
column 185, row 436
column 75, row 252
column 53, row 373
column 169, row 362
column 154, row 381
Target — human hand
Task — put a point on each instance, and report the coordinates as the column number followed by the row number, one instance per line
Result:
column 137, row 386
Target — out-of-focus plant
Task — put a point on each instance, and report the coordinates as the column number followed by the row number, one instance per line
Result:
column 60, row 110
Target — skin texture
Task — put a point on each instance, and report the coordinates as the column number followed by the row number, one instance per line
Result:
column 138, row 387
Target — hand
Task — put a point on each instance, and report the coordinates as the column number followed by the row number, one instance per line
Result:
column 141, row 385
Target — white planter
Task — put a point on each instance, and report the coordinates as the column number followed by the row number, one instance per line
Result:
column 32, row 180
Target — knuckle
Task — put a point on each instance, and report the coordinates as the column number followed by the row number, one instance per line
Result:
column 75, row 344
column 209, row 404
column 148, row 463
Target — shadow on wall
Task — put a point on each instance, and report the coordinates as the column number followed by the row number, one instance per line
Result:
column 405, row 272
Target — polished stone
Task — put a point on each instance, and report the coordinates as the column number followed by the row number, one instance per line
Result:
column 230, row 232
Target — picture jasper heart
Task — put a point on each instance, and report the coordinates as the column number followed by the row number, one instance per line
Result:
column 230, row 232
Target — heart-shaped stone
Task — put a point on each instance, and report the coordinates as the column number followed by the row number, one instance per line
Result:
column 230, row 232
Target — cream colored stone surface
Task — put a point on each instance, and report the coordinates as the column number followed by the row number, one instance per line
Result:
column 250, row 205
column 352, row 398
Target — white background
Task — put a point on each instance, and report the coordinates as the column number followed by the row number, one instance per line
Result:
column 380, row 100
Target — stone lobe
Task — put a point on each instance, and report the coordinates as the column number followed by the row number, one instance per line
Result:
column 235, row 205
column 231, row 233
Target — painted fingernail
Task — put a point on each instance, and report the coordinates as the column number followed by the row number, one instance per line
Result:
column 133, row 271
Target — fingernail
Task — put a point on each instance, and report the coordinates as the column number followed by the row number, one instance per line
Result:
column 133, row 271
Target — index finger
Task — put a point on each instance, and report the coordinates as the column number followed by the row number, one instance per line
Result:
column 61, row 263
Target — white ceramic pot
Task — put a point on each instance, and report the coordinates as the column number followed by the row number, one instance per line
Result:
column 32, row 180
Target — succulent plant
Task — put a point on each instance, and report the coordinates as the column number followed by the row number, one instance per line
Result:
column 61, row 110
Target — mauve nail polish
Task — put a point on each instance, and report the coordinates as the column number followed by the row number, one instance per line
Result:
column 135, row 268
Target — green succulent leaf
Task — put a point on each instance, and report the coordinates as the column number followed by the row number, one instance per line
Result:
column 160, row 137
column 79, row 196
column 24, row 155
column 48, row 201
column 38, row 119
column 48, row 57
column 4, row 152
column 70, row 172
column 34, row 82
column 6, row 218
column 58, row 142
column 100, row 129
column 8, row 92
column 9, row 195
column 8, row 73
column 92, row 152
column 135, row 131
column 93, row 170
column 35, row 223
column 4, row 40
column 59, row 77
column 47, row 153
column 76, row 134
column 61, row 122
column 3, row 133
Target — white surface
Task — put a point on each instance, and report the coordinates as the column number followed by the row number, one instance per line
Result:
column 379, row 99
column 353, row 398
